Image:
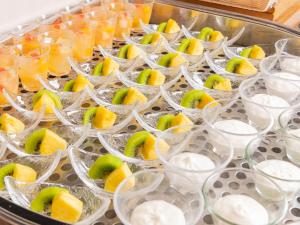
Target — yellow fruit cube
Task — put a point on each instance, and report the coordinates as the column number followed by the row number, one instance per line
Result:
column 177, row 60
column 51, row 143
column 80, row 83
column 181, row 120
column 132, row 52
column 109, row 66
column 246, row 68
column 148, row 149
column 155, row 38
column 257, row 52
column 24, row 173
column 10, row 124
column 224, row 85
column 172, row 27
column 216, row 36
column 117, row 176
column 156, row 78
column 44, row 100
column 133, row 96
column 195, row 47
column 104, row 118
column 66, row 207
column 205, row 100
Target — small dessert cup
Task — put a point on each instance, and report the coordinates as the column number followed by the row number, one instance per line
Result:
column 157, row 185
column 143, row 11
column 7, row 56
column 269, row 156
column 288, row 46
column 242, row 182
column 9, row 81
column 229, row 110
column 94, row 206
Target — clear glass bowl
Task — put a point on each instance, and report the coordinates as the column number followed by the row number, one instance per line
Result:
column 275, row 147
column 288, row 46
column 289, row 121
column 242, row 182
column 156, row 185
column 192, row 141
column 228, row 110
column 94, row 206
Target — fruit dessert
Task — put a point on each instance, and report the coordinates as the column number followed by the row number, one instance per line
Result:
column 128, row 96
column 151, row 77
column 129, row 51
column 9, row 81
column 10, row 124
column 196, row 99
column 112, row 170
column 170, row 120
column 60, row 202
column 253, row 52
column 105, row 68
column 100, row 117
column 142, row 144
column 78, row 84
column 158, row 212
column 18, row 171
column 169, row 27
column 218, row 82
column 44, row 142
column 240, row 66
column 191, row 46
column 47, row 99
column 209, row 34
column 171, row 60
column 150, row 39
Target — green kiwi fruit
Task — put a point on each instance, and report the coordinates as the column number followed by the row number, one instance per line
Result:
column 89, row 115
column 69, row 85
column 6, row 171
column 147, row 39
column 165, row 60
column 119, row 96
column 104, row 165
column 56, row 99
column 205, row 33
column 212, row 80
column 191, row 98
column 33, row 141
column 184, row 45
column 144, row 76
column 162, row 27
column 123, row 52
column 164, row 122
column 134, row 142
column 232, row 64
column 98, row 69
column 246, row 52
column 45, row 197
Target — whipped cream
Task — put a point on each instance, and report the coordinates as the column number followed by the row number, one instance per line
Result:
column 240, row 209
column 157, row 212
column 293, row 146
column 290, row 64
column 238, row 141
column 281, row 170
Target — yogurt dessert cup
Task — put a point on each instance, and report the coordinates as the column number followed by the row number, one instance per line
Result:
column 232, row 199
column 149, row 197
column 231, row 118
column 267, row 155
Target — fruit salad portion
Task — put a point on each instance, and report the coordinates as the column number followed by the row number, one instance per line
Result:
column 196, row 99
column 151, row 77
column 253, row 52
column 150, row 39
column 167, row 121
column 47, row 99
column 20, row 172
column 112, row 170
column 169, row 27
column 129, row 51
column 10, row 124
column 128, row 96
column 105, row 68
column 218, row 82
column 171, row 60
column 209, row 34
column 62, row 205
column 45, row 142
column 191, row 46
column 142, row 144
column 240, row 66
column 100, row 117
column 78, row 84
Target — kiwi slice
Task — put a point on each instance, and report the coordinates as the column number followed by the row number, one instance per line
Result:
column 191, row 98
column 165, row 60
column 164, row 122
column 134, row 142
column 205, row 33
column 246, row 52
column 45, row 198
column 56, row 99
column 232, row 64
column 123, row 52
column 69, row 85
column 162, row 27
column 119, row 96
column 212, row 80
column 184, row 45
column 6, row 171
column 104, row 165
column 147, row 39
column 98, row 69
column 32, row 142
column 89, row 115
column 144, row 76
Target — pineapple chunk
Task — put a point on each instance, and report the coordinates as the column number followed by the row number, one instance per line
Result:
column 109, row 66
column 51, row 143
column 133, row 96
column 80, row 83
column 117, row 176
column 224, row 85
column 172, row 27
column 180, row 120
column 24, row 173
column 257, row 52
column 66, row 207
column 195, row 47
column 205, row 100
column 46, row 100
column 177, row 60
column 104, row 118
column 132, row 52
column 246, row 68
column 10, row 124
column 148, row 149
column 155, row 38
column 156, row 78
column 216, row 36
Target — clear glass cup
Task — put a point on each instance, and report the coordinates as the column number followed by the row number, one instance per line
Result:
column 143, row 11
column 270, row 155
column 221, row 114
column 157, row 185
column 238, row 181
column 7, row 56
column 194, row 152
column 288, row 46
column 9, row 80
column 28, row 40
